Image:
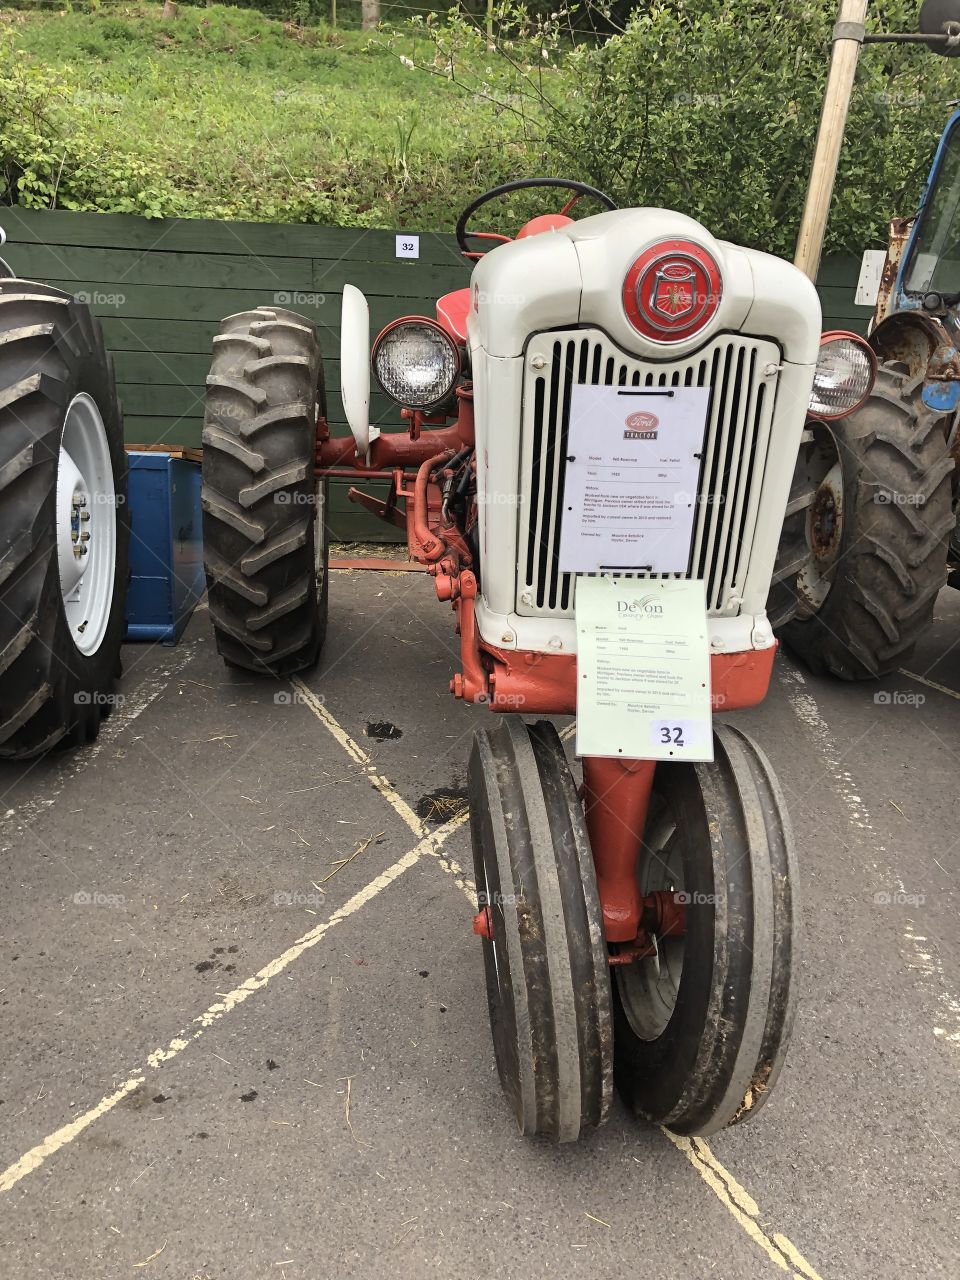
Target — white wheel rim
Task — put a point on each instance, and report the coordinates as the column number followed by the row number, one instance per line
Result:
column 86, row 524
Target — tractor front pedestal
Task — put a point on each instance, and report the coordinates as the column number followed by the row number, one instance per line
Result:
column 616, row 796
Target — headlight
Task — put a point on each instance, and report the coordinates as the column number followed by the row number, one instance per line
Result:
column 416, row 363
column 846, row 368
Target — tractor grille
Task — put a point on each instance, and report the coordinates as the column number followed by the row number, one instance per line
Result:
column 735, row 453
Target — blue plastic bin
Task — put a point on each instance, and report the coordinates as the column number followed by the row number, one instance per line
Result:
column 166, row 548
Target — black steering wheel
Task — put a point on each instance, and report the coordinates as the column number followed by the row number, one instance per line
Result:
column 521, row 184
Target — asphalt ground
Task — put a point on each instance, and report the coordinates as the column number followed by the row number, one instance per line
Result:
column 244, row 1024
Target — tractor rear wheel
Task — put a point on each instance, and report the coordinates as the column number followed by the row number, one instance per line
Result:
column 265, row 545
column 64, row 522
column 863, row 552
column 702, row 1026
column 547, row 974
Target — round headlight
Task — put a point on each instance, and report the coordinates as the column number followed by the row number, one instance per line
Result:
column 846, row 368
column 416, row 363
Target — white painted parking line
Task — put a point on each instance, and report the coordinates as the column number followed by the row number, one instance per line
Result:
column 36, row 1156
column 921, row 958
column 359, row 756
column 15, row 819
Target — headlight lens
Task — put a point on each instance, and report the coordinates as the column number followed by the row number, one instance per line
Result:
column 416, row 363
column 846, row 368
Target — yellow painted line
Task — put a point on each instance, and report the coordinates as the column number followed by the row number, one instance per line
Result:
column 742, row 1207
column 359, row 756
column 931, row 684
column 36, row 1156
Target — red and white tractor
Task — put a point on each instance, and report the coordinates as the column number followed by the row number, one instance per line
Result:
column 640, row 923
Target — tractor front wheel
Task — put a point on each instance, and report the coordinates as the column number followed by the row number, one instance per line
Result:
column 702, row 1024
column 265, row 545
column 548, row 982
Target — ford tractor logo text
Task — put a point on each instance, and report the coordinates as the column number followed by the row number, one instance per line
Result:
column 672, row 291
column 641, row 426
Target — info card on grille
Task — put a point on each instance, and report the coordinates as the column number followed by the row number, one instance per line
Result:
column 643, row 669
column 632, row 475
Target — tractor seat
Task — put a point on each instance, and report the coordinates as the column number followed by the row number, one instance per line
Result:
column 452, row 311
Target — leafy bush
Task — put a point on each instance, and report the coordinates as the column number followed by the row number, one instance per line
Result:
column 711, row 107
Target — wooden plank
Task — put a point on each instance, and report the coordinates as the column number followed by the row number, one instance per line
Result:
column 160, row 367
column 205, row 236
column 161, row 302
column 176, row 399
column 174, row 450
column 839, row 269
column 298, row 281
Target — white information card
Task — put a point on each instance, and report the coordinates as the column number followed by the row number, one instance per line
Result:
column 643, row 669
column 633, row 470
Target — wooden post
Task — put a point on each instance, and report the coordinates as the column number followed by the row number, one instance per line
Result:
column 333, row 14
column 490, row 44
column 847, row 38
column 369, row 14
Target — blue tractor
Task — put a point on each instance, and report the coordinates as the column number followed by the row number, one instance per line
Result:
column 871, row 533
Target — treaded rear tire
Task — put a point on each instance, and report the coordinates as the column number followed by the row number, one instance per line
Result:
column 51, row 349
column 265, row 545
column 893, row 554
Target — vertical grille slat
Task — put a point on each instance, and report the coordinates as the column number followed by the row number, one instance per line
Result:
column 736, row 445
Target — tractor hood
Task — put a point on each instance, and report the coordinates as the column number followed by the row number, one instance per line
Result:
column 579, row 275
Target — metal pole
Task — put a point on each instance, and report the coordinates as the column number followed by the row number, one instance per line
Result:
column 847, row 38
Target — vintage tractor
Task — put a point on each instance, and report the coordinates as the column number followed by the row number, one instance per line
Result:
column 640, row 922
column 64, row 522
column 872, row 517
column 871, row 532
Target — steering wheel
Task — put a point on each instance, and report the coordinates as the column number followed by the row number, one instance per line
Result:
column 521, row 184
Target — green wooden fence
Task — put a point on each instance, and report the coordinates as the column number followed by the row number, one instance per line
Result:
column 162, row 287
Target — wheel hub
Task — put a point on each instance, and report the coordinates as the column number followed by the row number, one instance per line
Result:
column 86, row 524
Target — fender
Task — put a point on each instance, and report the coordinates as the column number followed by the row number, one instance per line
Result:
column 925, row 344
column 355, row 368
